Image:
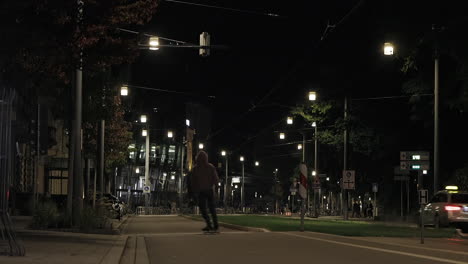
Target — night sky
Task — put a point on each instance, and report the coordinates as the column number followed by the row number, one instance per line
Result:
column 273, row 61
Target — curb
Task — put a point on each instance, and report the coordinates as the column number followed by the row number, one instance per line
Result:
column 115, row 253
column 231, row 226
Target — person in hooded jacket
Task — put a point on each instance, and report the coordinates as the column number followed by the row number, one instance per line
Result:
column 202, row 182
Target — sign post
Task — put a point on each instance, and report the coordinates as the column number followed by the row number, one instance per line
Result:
column 375, row 189
column 423, row 195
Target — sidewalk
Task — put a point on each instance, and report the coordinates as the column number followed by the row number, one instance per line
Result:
column 65, row 247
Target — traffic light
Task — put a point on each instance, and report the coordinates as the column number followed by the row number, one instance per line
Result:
column 204, row 41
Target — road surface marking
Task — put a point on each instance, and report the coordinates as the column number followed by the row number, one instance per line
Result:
column 379, row 249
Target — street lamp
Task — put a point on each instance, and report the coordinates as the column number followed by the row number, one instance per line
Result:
column 282, row 136
column 137, row 170
column 242, row 186
column 170, row 134
column 143, row 119
column 124, row 90
column 314, row 173
column 200, row 146
column 223, row 153
column 187, row 122
column 257, row 163
column 289, row 120
column 312, row 96
column 154, row 43
column 144, row 133
column 299, row 146
column 388, row 48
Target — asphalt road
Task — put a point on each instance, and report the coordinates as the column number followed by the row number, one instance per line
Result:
column 171, row 239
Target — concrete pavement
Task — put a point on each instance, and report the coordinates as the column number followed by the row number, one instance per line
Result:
column 172, row 239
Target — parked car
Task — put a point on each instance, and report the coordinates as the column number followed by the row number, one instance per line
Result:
column 447, row 207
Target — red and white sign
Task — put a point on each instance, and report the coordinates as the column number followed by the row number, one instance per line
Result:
column 303, row 181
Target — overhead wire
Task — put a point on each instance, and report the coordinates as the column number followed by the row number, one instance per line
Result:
column 225, row 8
column 285, row 77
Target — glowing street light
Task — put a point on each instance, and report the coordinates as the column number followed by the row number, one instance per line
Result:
column 282, row 136
column 144, row 132
column 314, row 173
column 143, row 119
column 289, row 121
column 388, row 48
column 154, row 43
column 170, row 134
column 137, row 170
column 187, row 122
column 124, row 90
column 299, row 146
column 312, row 96
column 257, row 163
column 241, row 158
column 314, row 124
column 200, row 146
column 223, row 153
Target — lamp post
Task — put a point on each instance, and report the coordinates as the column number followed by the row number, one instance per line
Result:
column 242, row 186
column 223, row 153
column 143, row 120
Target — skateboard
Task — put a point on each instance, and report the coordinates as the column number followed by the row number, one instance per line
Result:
column 211, row 232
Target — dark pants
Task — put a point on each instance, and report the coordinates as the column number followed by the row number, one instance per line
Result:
column 204, row 198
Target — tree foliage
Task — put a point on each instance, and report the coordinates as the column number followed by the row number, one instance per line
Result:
column 44, row 39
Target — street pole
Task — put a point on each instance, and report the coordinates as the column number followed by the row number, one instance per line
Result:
column 181, row 173
column 436, row 122
column 316, row 167
column 345, row 160
column 225, row 187
column 420, row 187
column 242, row 189
column 147, row 152
column 101, row 157
column 401, row 199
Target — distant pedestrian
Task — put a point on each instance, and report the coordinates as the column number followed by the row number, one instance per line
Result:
column 202, row 182
column 370, row 210
column 356, row 210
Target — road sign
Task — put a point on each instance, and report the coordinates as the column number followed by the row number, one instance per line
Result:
column 414, row 165
column 400, row 178
column 315, row 182
column 348, row 179
column 146, row 189
column 423, row 196
column 414, row 155
column 375, row 187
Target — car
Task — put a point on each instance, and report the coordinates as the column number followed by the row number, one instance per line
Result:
column 447, row 208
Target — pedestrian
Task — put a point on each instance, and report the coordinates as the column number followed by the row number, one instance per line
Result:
column 202, row 182
column 370, row 210
column 356, row 210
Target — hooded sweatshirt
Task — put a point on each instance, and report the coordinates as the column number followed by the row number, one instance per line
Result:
column 204, row 175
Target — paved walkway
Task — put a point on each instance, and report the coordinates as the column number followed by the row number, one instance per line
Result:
column 64, row 247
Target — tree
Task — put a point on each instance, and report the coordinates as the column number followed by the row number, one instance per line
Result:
column 44, row 42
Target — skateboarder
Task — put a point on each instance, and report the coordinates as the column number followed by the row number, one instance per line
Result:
column 202, row 182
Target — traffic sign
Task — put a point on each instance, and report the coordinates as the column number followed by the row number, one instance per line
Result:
column 315, row 182
column 414, row 155
column 146, row 189
column 423, row 196
column 348, row 179
column 400, row 178
column 414, row 165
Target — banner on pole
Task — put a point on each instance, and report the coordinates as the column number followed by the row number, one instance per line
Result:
column 303, row 181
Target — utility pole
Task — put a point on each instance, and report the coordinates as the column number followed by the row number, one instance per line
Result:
column 181, row 172
column 78, row 173
column 147, row 152
column 225, row 186
column 345, row 160
column 436, row 121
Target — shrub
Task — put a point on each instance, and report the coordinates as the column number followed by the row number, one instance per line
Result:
column 45, row 214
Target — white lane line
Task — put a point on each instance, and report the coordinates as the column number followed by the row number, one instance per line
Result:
column 391, row 244
column 378, row 249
